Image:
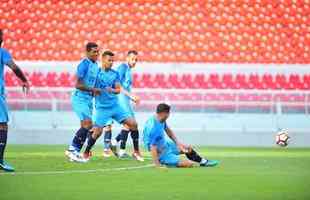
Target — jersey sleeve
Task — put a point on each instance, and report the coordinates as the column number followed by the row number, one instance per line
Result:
column 121, row 72
column 6, row 57
column 82, row 70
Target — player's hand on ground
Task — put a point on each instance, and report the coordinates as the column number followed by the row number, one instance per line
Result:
column 161, row 167
column 96, row 91
column 26, row 87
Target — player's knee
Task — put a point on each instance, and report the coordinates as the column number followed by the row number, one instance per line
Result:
column 4, row 126
column 86, row 124
column 133, row 125
column 97, row 133
column 126, row 127
column 108, row 128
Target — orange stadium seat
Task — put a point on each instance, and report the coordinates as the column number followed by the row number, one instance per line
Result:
column 176, row 31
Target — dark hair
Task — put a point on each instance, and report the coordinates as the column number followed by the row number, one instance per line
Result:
column 91, row 45
column 162, row 107
column 1, row 33
column 134, row 52
column 107, row 53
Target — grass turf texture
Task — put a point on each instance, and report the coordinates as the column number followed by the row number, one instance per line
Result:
column 244, row 173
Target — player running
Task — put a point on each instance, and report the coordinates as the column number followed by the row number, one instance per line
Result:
column 166, row 150
column 6, row 59
column 107, row 105
column 125, row 97
column 82, row 99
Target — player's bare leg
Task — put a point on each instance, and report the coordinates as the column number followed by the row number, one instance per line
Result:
column 133, row 126
column 185, row 164
column 95, row 133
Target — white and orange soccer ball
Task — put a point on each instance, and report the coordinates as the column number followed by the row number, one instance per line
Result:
column 282, row 138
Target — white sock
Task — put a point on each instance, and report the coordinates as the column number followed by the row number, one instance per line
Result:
column 203, row 161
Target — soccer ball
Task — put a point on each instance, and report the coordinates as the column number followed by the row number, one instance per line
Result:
column 282, row 138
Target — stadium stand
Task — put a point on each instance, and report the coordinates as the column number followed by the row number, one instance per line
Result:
column 238, row 31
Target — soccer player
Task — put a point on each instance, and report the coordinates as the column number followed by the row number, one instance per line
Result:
column 107, row 105
column 6, row 59
column 82, row 99
column 165, row 150
column 125, row 98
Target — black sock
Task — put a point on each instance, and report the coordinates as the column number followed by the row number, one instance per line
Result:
column 193, row 155
column 124, row 137
column 119, row 137
column 3, row 140
column 79, row 138
column 90, row 143
column 107, row 139
column 135, row 139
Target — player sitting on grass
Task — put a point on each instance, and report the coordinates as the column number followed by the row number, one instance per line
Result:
column 107, row 105
column 82, row 99
column 167, row 151
column 6, row 59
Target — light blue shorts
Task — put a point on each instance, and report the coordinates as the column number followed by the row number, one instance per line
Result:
column 171, row 155
column 125, row 103
column 4, row 117
column 82, row 106
column 104, row 116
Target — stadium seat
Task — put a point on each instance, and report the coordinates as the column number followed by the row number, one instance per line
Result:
column 177, row 31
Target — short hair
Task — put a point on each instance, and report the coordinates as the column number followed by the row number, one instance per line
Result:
column 91, row 45
column 134, row 52
column 107, row 53
column 163, row 107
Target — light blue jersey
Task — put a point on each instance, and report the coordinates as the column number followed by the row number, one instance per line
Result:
column 82, row 101
column 106, row 79
column 87, row 71
column 5, row 59
column 154, row 135
column 125, row 75
column 107, row 104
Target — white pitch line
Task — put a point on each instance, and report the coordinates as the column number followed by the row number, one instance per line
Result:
column 76, row 171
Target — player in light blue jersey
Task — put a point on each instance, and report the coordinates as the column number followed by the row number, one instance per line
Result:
column 82, row 99
column 125, row 100
column 165, row 150
column 6, row 59
column 107, row 105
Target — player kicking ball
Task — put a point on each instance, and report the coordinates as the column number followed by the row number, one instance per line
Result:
column 6, row 59
column 166, row 151
column 107, row 106
column 82, row 100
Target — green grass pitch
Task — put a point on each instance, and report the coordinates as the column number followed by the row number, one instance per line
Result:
column 42, row 172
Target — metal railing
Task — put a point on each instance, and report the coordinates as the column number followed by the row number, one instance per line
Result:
column 273, row 104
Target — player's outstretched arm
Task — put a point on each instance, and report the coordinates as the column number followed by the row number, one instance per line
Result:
column 81, row 86
column 171, row 134
column 19, row 73
column 154, row 154
column 133, row 97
